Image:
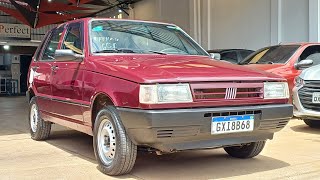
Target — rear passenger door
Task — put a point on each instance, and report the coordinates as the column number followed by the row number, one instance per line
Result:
column 41, row 70
column 67, row 77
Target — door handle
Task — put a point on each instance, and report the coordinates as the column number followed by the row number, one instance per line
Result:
column 53, row 68
column 35, row 68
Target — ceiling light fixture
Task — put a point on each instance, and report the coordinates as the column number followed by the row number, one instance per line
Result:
column 6, row 47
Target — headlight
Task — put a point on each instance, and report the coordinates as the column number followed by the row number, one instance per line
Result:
column 276, row 90
column 298, row 81
column 165, row 93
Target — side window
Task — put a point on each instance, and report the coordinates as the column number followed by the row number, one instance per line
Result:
column 74, row 39
column 52, row 45
column 311, row 53
column 245, row 54
column 39, row 49
column 230, row 56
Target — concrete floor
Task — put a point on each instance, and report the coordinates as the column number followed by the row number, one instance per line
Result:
column 293, row 154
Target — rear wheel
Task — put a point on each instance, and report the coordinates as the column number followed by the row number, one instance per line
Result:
column 115, row 152
column 39, row 129
column 246, row 151
column 312, row 123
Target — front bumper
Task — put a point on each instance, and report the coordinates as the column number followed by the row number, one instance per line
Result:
column 182, row 129
column 299, row 111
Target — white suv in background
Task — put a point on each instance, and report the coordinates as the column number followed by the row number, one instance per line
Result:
column 306, row 96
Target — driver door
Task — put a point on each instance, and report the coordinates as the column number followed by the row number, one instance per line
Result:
column 67, row 77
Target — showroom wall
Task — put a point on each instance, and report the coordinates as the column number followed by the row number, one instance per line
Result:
column 295, row 20
column 169, row 11
column 234, row 23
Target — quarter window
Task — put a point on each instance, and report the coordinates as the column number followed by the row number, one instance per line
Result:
column 73, row 39
column 52, row 45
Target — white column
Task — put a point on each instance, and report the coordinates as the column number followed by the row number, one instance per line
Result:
column 199, row 21
column 276, row 22
column 209, row 24
column 314, row 20
column 195, row 19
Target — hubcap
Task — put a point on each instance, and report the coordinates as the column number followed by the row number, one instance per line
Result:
column 106, row 142
column 34, row 118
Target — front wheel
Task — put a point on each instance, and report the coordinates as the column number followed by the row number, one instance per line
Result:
column 246, row 151
column 115, row 152
column 312, row 123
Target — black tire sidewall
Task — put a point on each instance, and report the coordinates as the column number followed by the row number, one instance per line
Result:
column 312, row 123
column 250, row 151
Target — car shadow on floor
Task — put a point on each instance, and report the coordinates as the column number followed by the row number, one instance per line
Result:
column 74, row 142
column 306, row 129
column 199, row 164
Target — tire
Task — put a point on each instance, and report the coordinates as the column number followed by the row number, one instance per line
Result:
column 312, row 123
column 39, row 129
column 247, row 151
column 119, row 156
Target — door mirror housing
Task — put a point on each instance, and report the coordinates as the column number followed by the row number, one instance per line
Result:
column 67, row 55
column 304, row 64
column 216, row 56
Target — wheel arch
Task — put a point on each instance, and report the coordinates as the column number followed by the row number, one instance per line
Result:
column 30, row 94
column 99, row 101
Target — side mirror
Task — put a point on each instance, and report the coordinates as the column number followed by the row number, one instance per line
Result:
column 67, row 55
column 216, row 56
column 304, row 64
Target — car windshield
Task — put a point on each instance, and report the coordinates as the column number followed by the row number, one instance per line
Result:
column 109, row 36
column 272, row 55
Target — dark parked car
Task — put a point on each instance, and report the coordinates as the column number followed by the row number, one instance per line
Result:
column 133, row 84
column 234, row 56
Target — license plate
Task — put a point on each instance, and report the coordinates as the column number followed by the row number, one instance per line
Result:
column 232, row 124
column 316, row 98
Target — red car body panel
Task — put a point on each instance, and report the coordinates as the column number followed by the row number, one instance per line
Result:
column 75, row 85
column 172, row 68
column 288, row 71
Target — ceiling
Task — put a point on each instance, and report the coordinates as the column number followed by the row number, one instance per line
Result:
column 38, row 13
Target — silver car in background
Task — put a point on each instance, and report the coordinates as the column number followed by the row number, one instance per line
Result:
column 306, row 96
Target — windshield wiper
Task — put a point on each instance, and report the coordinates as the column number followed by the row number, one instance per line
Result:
column 117, row 51
column 266, row 62
column 157, row 52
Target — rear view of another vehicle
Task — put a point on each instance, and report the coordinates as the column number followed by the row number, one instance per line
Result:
column 306, row 96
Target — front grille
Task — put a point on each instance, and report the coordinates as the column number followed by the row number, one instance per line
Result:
column 305, row 95
column 228, row 91
column 236, row 113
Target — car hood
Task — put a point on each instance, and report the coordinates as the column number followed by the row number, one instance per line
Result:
column 174, row 68
column 311, row 74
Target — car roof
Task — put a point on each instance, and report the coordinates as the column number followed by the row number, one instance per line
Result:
column 111, row 19
column 300, row 43
column 222, row 50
